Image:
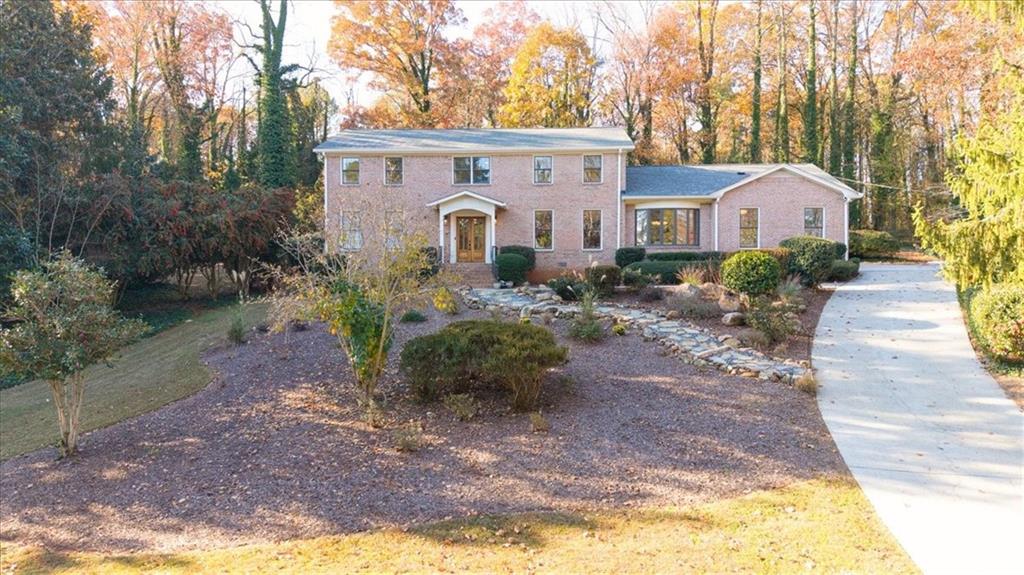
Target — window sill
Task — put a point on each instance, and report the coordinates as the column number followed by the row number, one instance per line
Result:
column 543, row 249
column 592, row 249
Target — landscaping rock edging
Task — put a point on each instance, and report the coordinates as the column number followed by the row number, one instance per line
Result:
column 692, row 344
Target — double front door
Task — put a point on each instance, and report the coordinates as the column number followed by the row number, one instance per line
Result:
column 470, row 238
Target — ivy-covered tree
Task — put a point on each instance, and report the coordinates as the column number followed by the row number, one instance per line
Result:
column 275, row 146
column 65, row 322
column 811, row 144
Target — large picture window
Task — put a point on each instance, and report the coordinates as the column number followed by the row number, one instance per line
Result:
column 591, row 229
column 668, row 227
column 350, row 171
column 542, row 169
column 351, row 231
column 749, row 231
column 543, row 238
column 814, row 222
column 471, row 170
column 394, row 171
column 592, row 169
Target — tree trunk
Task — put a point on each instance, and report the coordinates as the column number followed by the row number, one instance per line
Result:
column 755, row 106
column 782, row 114
column 811, row 103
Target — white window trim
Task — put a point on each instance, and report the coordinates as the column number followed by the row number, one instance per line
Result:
column 823, row 227
column 384, row 173
column 359, row 174
column 533, row 169
column 739, row 234
column 583, row 229
column 471, row 182
column 341, row 232
column 534, row 241
column 583, row 170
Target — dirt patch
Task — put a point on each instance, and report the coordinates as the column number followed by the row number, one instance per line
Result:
column 274, row 449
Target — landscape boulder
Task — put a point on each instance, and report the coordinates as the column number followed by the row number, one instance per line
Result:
column 734, row 318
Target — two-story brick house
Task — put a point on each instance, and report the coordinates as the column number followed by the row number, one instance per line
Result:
column 567, row 193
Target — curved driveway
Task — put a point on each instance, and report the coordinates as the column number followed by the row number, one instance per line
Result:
column 930, row 437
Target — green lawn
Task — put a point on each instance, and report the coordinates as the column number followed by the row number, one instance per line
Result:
column 148, row 374
column 816, row 526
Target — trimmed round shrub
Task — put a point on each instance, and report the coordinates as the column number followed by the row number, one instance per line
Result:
column 413, row 316
column 751, row 273
column 473, row 355
column 512, row 268
column 844, row 270
column 997, row 318
column 604, row 279
column 782, row 255
column 568, row 287
column 626, row 256
column 812, row 258
column 840, row 250
column 527, row 252
column 872, row 244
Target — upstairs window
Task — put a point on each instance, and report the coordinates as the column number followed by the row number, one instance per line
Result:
column 749, row 230
column 814, row 222
column 592, row 169
column 471, row 170
column 542, row 169
column 393, row 171
column 350, row 171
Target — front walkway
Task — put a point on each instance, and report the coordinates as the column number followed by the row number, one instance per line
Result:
column 928, row 434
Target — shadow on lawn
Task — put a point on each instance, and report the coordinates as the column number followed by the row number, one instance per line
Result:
column 274, row 449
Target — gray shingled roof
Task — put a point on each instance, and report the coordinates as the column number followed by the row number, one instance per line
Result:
column 705, row 180
column 477, row 140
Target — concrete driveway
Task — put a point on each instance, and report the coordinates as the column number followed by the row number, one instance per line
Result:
column 928, row 434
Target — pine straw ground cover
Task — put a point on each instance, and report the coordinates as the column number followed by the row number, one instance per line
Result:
column 273, row 455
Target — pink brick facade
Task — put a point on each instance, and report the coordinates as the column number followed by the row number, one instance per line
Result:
column 429, row 178
column 780, row 198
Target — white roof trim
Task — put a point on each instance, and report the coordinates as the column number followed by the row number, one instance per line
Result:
column 846, row 191
column 490, row 150
column 466, row 193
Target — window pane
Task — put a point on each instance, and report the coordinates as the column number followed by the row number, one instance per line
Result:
column 591, row 169
column 542, row 170
column 542, row 239
column 814, row 222
column 393, row 171
column 481, row 170
column 748, row 227
column 462, row 170
column 643, row 228
column 688, row 227
column 591, row 229
column 351, row 231
column 350, row 170
column 668, row 227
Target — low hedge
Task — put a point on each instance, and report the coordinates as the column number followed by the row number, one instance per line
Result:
column 844, row 270
column 512, row 268
column 812, row 258
column 475, row 355
column 753, row 272
column 526, row 251
column 872, row 244
column 997, row 320
column 626, row 256
column 604, row 279
column 685, row 256
column 664, row 272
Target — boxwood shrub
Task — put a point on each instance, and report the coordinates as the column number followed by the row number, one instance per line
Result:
column 527, row 252
column 812, row 258
column 475, row 355
column 626, row 256
column 753, row 272
column 604, row 279
column 512, row 268
column 782, row 255
column 997, row 320
column 872, row 244
column 844, row 270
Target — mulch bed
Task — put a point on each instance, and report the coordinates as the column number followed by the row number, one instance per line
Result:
column 275, row 449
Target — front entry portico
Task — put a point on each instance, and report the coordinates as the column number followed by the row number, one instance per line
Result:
column 466, row 227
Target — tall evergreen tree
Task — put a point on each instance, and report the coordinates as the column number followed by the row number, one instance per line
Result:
column 755, row 105
column 811, row 104
column 275, row 146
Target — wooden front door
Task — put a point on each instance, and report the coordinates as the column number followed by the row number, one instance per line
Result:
column 469, row 240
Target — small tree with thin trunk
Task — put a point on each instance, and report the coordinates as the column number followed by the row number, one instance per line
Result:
column 63, row 322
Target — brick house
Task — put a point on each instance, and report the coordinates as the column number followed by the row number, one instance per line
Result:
column 566, row 192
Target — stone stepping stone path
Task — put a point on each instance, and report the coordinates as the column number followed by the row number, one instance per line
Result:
column 692, row 344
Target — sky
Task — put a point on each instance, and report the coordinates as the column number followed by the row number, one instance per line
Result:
column 308, row 31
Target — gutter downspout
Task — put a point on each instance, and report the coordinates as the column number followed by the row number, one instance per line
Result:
column 715, row 210
column 618, row 202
